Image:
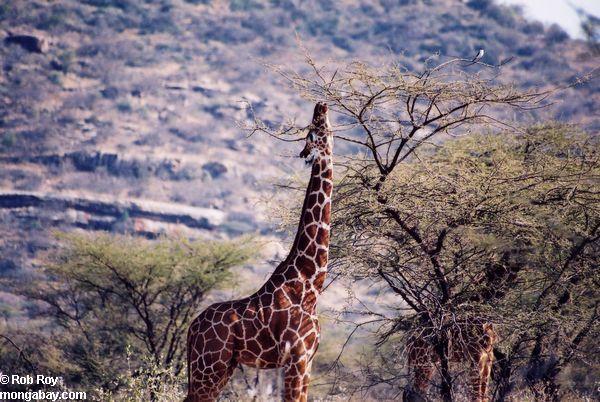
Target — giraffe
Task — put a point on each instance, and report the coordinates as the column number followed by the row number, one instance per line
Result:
column 277, row 326
column 469, row 342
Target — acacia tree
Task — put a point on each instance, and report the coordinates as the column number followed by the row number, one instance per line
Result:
column 448, row 236
column 113, row 294
column 500, row 229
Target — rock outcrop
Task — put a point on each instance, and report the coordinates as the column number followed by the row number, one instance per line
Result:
column 170, row 169
column 31, row 42
column 215, row 169
column 103, row 214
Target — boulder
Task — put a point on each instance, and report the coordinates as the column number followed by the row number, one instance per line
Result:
column 110, row 93
column 33, row 43
column 7, row 266
column 215, row 169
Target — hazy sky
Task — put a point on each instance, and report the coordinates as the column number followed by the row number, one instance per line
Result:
column 559, row 11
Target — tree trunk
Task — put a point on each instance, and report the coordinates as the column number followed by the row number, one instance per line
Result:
column 442, row 350
column 542, row 372
column 502, row 375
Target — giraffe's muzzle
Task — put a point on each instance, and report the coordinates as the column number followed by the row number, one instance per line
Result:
column 305, row 152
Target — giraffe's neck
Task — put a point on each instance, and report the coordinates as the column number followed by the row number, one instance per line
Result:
column 316, row 210
column 309, row 254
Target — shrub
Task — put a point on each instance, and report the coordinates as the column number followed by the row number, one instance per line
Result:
column 55, row 78
column 7, row 141
column 556, row 34
column 124, row 107
column 152, row 382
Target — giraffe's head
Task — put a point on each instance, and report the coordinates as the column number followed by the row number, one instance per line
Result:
column 319, row 141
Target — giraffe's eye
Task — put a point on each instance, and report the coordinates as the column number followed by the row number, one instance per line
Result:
column 312, row 137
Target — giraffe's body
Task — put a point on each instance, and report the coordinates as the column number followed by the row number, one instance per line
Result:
column 277, row 326
column 471, row 343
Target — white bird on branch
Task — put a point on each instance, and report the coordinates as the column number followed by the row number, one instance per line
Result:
column 479, row 56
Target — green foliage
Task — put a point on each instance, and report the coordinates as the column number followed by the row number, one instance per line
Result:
column 244, row 5
column 111, row 293
column 55, row 78
column 5, row 11
column 120, row 4
column 124, row 107
column 499, row 186
column 501, row 228
column 52, row 20
column 66, row 60
column 8, row 140
column 160, row 22
column 152, row 382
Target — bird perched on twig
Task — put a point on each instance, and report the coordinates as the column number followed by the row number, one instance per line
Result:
column 478, row 57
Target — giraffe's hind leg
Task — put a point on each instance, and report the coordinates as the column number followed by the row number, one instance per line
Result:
column 483, row 367
column 207, row 388
column 417, row 391
column 210, row 361
column 421, row 365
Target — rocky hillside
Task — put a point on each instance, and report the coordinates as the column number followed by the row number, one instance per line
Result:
column 121, row 115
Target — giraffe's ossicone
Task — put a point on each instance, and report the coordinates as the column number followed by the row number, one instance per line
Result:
column 277, row 326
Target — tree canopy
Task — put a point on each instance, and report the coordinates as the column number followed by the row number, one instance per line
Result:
column 106, row 294
column 501, row 228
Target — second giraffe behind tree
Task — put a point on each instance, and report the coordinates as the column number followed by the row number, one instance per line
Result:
column 277, row 326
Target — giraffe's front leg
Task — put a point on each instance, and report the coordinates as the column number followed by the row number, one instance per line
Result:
column 483, row 367
column 306, row 382
column 481, row 376
column 297, row 375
